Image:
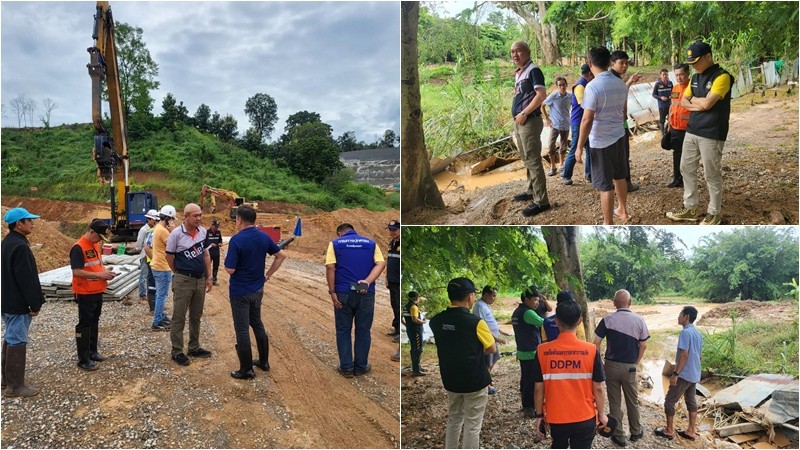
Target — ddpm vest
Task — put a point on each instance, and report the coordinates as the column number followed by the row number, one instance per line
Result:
column 91, row 262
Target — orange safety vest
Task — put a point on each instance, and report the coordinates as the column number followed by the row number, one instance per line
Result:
column 91, row 262
column 678, row 115
column 567, row 365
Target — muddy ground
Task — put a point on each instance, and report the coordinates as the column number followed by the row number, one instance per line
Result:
column 141, row 399
column 424, row 400
column 760, row 178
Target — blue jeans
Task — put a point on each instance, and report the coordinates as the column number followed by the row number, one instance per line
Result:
column 145, row 269
column 16, row 328
column 163, row 279
column 569, row 165
column 361, row 309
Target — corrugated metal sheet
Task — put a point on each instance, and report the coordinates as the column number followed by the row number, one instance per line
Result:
column 754, row 390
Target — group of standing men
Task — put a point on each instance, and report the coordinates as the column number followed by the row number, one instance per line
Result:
column 697, row 114
column 562, row 375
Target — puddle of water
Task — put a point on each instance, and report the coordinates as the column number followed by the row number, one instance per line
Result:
column 652, row 374
column 501, row 175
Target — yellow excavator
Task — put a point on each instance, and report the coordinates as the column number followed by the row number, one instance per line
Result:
column 233, row 199
column 110, row 150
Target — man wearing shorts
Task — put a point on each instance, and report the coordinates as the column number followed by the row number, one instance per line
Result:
column 604, row 110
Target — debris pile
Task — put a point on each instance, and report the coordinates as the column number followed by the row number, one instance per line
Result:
column 760, row 411
column 57, row 283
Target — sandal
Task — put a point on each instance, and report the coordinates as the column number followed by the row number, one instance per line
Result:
column 682, row 433
column 660, row 433
column 492, row 390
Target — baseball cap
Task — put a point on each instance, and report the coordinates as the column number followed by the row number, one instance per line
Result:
column 697, row 50
column 565, row 296
column 215, row 222
column 99, row 226
column 393, row 225
column 585, row 69
column 609, row 429
column 17, row 214
column 458, row 287
column 152, row 214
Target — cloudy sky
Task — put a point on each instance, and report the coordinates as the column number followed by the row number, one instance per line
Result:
column 338, row 59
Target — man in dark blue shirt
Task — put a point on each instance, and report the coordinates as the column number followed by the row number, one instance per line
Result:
column 662, row 92
column 245, row 262
column 213, row 243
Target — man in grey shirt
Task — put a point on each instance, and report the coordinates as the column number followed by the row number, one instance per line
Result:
column 604, row 110
column 685, row 377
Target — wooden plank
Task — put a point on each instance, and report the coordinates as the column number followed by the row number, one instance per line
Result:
column 747, row 437
column 780, row 439
column 763, row 445
column 739, row 428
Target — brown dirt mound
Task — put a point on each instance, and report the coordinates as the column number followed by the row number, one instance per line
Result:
column 752, row 310
column 49, row 245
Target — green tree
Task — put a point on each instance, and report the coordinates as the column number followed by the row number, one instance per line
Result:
column 202, row 118
column 228, row 129
column 390, row 138
column 263, row 113
column 347, row 142
column 510, row 257
column 137, row 70
column 746, row 263
column 174, row 113
column 312, row 157
column 251, row 141
column 299, row 118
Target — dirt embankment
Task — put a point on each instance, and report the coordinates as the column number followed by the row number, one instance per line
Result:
column 141, row 399
column 760, row 183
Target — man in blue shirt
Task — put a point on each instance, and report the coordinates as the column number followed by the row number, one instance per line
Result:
column 662, row 92
column 684, row 378
column 245, row 262
column 483, row 310
column 352, row 264
column 604, row 111
column 558, row 121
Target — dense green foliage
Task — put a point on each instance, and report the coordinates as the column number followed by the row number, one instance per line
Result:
column 511, row 258
column 645, row 261
column 747, row 263
column 137, row 70
column 58, row 162
column 752, row 347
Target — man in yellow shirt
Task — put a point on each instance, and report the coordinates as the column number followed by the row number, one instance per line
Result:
column 353, row 263
column 708, row 99
column 159, row 266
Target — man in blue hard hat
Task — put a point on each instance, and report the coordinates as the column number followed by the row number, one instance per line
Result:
column 22, row 300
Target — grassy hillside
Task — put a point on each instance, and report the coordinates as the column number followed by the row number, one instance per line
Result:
column 59, row 164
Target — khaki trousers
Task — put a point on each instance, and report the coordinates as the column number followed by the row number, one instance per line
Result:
column 188, row 294
column 621, row 380
column 465, row 412
column 529, row 139
column 709, row 151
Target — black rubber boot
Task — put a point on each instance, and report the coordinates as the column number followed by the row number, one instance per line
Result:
column 82, row 337
column 15, row 370
column 245, row 371
column 151, row 300
column 93, row 355
column 3, row 356
column 263, row 354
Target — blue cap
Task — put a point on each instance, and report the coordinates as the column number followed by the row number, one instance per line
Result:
column 17, row 214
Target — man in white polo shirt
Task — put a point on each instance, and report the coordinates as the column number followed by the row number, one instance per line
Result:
column 605, row 108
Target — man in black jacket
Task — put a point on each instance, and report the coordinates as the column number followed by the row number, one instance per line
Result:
column 22, row 300
column 462, row 340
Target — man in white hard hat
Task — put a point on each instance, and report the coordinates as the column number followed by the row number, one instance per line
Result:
column 152, row 218
column 161, row 270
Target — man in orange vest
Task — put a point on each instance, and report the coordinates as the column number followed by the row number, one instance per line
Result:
column 678, row 120
column 569, row 383
column 89, row 280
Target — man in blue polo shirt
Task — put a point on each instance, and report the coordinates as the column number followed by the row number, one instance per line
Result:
column 352, row 264
column 191, row 264
column 559, row 103
column 245, row 262
column 604, row 111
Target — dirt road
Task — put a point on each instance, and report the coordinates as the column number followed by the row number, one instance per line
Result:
column 760, row 184
column 141, row 399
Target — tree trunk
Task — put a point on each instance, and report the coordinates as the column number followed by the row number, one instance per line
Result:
column 562, row 244
column 418, row 188
column 546, row 34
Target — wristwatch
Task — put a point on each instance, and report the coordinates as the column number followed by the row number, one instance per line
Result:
column 537, row 415
column 675, row 373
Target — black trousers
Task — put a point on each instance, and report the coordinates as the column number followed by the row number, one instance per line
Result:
column 662, row 118
column 246, row 312
column 677, row 151
column 89, row 309
column 415, row 339
column 573, row 435
column 394, row 298
column 526, row 382
column 214, row 263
